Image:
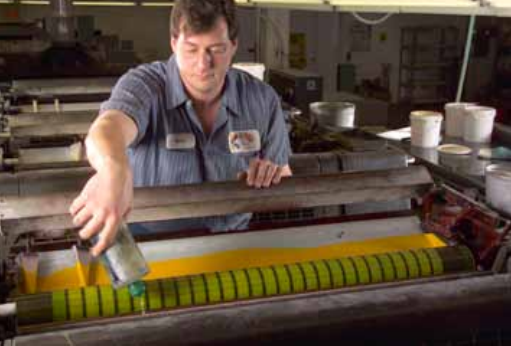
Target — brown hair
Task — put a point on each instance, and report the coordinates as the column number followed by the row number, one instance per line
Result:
column 199, row 16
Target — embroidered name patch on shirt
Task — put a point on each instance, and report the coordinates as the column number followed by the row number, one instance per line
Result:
column 244, row 141
column 177, row 141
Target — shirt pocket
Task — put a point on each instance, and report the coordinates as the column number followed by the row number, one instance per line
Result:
column 228, row 165
column 178, row 167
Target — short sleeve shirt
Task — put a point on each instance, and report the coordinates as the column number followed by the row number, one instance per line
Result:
column 171, row 147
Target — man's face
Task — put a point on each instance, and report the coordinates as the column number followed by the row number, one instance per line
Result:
column 203, row 59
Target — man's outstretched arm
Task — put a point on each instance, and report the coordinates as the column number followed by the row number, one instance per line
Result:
column 107, row 197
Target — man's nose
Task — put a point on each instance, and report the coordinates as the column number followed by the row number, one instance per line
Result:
column 205, row 60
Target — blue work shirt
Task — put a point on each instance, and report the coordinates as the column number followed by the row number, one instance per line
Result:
column 171, row 147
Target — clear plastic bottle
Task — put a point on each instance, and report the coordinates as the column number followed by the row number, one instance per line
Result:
column 125, row 263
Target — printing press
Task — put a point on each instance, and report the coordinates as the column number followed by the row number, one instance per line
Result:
column 331, row 253
column 359, row 239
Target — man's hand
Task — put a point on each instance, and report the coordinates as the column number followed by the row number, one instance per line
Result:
column 104, row 201
column 264, row 173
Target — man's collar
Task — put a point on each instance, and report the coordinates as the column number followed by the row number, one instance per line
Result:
column 176, row 94
column 230, row 96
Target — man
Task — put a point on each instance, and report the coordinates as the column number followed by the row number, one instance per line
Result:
column 188, row 120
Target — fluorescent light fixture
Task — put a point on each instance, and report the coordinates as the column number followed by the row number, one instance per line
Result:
column 406, row 3
column 500, row 3
column 456, row 7
column 104, row 3
column 500, row 8
column 290, row 2
column 6, row 1
column 157, row 4
column 35, row 2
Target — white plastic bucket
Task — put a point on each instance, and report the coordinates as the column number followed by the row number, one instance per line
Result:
column 335, row 114
column 253, row 68
column 428, row 154
column 454, row 118
column 426, row 126
column 498, row 186
column 478, row 124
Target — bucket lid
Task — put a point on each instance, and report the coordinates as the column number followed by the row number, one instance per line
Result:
column 454, row 149
column 457, row 105
column 480, row 111
column 499, row 170
column 425, row 115
column 330, row 106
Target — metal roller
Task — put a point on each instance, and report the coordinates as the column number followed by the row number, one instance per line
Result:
column 241, row 284
column 48, row 212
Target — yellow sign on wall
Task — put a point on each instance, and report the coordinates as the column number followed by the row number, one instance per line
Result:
column 297, row 50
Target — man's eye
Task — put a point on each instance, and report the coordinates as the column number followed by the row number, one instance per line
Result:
column 218, row 50
column 191, row 50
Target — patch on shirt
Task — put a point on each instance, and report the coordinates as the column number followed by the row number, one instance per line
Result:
column 183, row 140
column 244, row 141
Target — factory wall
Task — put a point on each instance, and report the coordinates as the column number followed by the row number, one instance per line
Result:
column 147, row 27
column 327, row 38
column 382, row 46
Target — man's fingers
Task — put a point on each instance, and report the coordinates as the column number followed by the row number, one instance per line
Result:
column 262, row 169
column 252, row 171
column 82, row 217
column 106, row 238
column 78, row 204
column 127, row 211
column 263, row 173
column 277, row 177
column 270, row 172
column 92, row 227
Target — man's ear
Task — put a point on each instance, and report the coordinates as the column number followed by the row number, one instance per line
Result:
column 235, row 47
column 173, row 43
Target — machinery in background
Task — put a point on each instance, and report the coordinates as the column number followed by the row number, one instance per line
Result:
column 43, row 122
column 296, row 87
column 61, row 45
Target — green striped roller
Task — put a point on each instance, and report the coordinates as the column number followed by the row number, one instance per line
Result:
column 239, row 284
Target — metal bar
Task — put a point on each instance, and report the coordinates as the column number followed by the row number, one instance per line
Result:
column 466, row 57
column 50, row 211
column 171, row 196
column 53, row 87
column 52, row 130
column 62, row 107
column 33, row 119
column 43, row 181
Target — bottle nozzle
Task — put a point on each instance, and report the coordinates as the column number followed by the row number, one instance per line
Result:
column 137, row 289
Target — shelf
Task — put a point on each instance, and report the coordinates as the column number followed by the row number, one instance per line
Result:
column 424, row 83
column 427, row 54
column 424, row 66
column 429, row 47
column 426, row 101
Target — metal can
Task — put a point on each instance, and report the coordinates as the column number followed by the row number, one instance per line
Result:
column 124, row 261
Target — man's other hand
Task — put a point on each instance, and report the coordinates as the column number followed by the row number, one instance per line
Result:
column 263, row 173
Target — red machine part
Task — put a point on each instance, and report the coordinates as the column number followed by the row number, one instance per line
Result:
column 459, row 220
